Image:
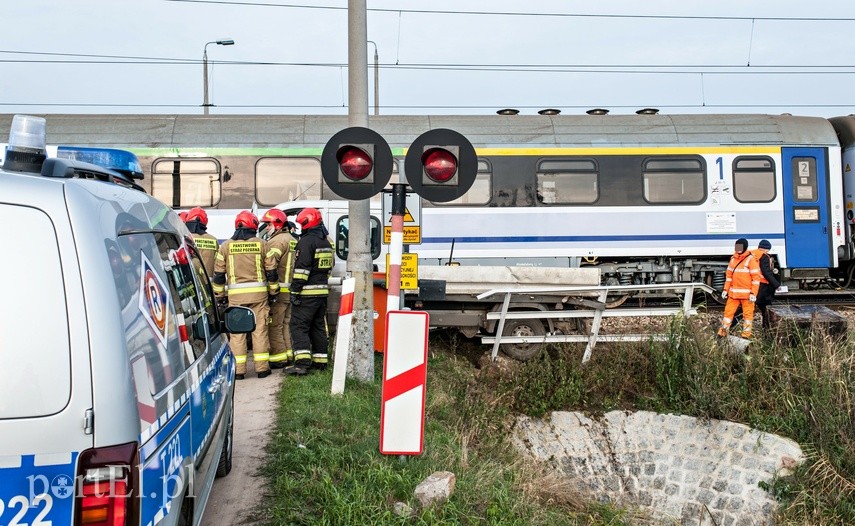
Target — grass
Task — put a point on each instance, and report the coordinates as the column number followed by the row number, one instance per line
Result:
column 325, row 468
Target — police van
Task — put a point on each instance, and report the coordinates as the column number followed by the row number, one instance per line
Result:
column 116, row 399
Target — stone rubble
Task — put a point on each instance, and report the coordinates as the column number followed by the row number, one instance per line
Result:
column 676, row 469
column 436, row 489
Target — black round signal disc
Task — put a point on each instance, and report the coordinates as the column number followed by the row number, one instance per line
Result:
column 371, row 183
column 454, row 185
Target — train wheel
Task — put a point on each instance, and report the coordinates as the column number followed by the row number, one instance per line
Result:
column 613, row 302
column 523, row 351
column 716, row 296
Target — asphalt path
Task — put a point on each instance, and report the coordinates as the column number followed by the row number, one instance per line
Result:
column 235, row 498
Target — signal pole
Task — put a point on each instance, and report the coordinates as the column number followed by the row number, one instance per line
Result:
column 361, row 351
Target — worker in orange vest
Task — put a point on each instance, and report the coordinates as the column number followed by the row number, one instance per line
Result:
column 740, row 288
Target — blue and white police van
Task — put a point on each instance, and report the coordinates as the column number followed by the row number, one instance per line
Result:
column 116, row 399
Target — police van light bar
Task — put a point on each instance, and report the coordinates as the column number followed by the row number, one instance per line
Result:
column 355, row 163
column 68, row 169
column 26, row 149
column 440, row 164
column 121, row 161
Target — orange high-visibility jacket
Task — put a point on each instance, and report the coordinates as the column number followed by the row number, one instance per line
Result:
column 743, row 276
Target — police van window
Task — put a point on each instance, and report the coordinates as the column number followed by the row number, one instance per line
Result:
column 567, row 182
column 480, row 193
column 674, row 181
column 206, row 292
column 754, row 179
column 281, row 179
column 148, row 299
column 36, row 358
column 184, row 183
column 189, row 309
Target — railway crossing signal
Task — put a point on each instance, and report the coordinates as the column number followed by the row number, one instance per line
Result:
column 356, row 163
column 441, row 165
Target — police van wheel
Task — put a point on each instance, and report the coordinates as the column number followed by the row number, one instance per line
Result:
column 225, row 464
column 523, row 351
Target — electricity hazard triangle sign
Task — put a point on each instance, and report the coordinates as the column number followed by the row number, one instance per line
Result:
column 848, row 168
column 408, row 217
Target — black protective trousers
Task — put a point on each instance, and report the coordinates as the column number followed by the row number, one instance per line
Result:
column 765, row 296
column 309, row 325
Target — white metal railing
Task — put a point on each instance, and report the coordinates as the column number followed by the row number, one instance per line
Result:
column 596, row 313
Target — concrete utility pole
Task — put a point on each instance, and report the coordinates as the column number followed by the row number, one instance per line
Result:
column 376, row 79
column 361, row 352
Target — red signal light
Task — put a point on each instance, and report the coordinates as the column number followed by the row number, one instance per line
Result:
column 355, row 163
column 440, row 164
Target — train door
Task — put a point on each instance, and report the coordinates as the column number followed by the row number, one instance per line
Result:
column 806, row 207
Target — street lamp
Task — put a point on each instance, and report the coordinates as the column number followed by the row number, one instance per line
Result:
column 376, row 80
column 205, row 103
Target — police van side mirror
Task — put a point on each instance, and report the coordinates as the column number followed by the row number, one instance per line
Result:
column 342, row 237
column 239, row 320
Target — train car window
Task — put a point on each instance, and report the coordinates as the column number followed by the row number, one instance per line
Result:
column 674, row 181
column 281, row 179
column 754, row 179
column 481, row 191
column 565, row 182
column 804, row 179
column 184, row 183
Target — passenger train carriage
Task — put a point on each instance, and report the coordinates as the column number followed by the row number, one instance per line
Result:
column 647, row 198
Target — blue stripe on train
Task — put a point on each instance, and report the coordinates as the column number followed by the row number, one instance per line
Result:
column 585, row 239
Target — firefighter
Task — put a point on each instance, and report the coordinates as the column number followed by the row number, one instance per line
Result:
column 309, row 290
column 740, row 288
column 280, row 246
column 768, row 281
column 197, row 223
column 244, row 275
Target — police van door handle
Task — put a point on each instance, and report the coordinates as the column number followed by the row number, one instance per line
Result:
column 216, row 384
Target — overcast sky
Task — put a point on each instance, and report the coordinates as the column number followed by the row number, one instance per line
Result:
column 290, row 56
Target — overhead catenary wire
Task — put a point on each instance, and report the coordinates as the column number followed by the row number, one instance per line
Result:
column 528, row 13
column 90, row 59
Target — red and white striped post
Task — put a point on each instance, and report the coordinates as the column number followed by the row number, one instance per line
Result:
column 396, row 246
column 342, row 335
column 402, row 412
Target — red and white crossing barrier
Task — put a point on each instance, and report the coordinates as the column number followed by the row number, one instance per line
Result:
column 402, row 413
column 342, row 335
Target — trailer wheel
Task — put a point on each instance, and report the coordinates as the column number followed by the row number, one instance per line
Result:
column 523, row 351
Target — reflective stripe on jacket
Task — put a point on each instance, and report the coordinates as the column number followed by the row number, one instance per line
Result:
column 743, row 276
column 281, row 248
column 245, row 266
column 312, row 264
column 207, row 246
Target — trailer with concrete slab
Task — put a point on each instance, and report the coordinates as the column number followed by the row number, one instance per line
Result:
column 522, row 308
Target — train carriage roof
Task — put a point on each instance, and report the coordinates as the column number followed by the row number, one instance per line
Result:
column 263, row 131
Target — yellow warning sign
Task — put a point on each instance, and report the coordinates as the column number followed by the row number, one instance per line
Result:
column 409, row 271
column 412, row 235
column 408, row 217
column 848, row 168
